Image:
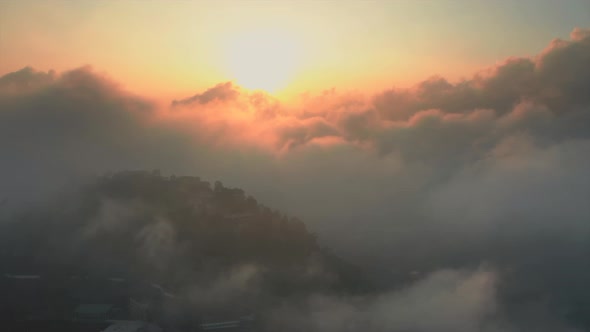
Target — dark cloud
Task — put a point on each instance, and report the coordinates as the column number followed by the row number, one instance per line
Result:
column 59, row 128
column 558, row 77
column 24, row 79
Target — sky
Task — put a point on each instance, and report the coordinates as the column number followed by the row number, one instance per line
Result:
column 448, row 141
column 326, row 44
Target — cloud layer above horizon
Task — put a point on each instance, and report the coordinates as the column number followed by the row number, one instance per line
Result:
column 489, row 169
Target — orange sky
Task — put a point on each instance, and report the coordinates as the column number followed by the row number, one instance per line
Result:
column 173, row 48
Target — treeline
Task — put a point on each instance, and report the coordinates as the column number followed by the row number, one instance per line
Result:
column 176, row 230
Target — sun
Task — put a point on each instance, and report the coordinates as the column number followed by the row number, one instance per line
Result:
column 262, row 59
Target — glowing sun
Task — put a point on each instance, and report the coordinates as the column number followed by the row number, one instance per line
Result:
column 262, row 59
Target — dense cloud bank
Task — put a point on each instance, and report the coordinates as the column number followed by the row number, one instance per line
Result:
column 492, row 169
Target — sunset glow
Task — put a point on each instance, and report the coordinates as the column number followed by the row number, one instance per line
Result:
column 283, row 47
column 295, row 165
column 262, row 59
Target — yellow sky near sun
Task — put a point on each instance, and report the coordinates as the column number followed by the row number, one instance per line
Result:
column 175, row 48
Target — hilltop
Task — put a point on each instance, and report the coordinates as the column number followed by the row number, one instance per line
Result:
column 213, row 246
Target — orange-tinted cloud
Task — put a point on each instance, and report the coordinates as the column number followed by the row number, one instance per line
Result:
column 221, row 92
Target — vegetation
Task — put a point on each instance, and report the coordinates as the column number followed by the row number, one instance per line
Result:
column 177, row 231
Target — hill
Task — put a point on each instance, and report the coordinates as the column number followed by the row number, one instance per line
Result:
column 213, row 246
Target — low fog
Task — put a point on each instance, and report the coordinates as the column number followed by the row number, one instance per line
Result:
column 465, row 203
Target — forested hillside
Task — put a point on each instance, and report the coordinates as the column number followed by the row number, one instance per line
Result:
column 178, row 231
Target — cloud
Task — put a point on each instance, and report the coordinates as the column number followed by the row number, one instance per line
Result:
column 238, row 287
column 303, row 131
column 444, row 175
column 221, row 92
column 556, row 78
column 445, row 300
column 57, row 128
column 25, row 79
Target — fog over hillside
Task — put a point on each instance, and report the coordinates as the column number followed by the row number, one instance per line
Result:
column 464, row 204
